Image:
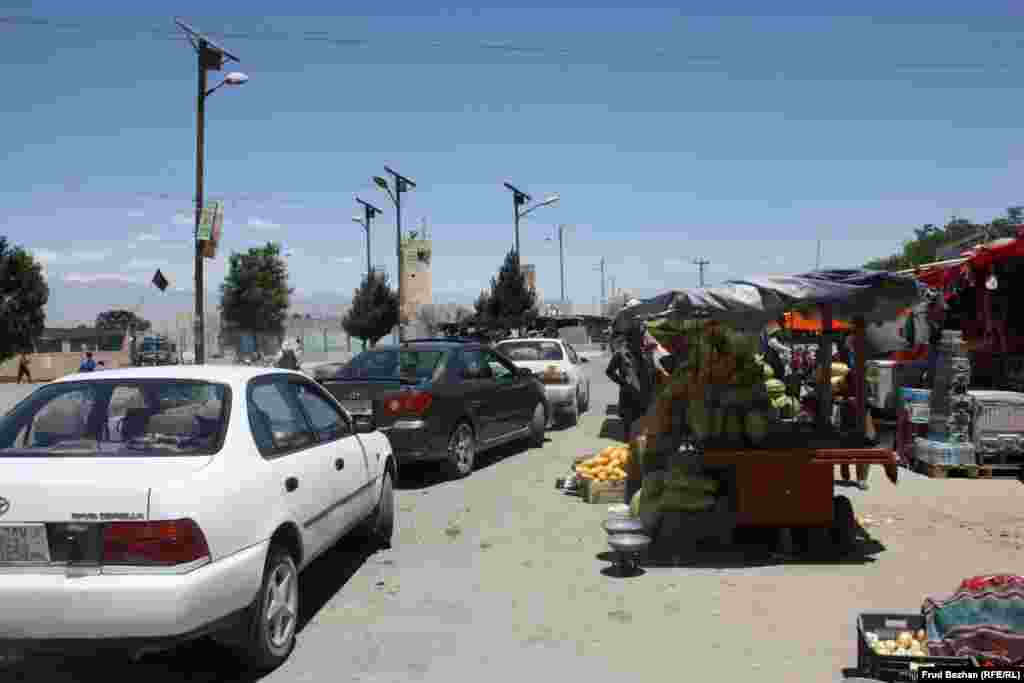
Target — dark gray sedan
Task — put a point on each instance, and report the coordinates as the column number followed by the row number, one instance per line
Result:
column 442, row 400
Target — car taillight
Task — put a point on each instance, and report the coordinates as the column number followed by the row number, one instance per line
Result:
column 154, row 543
column 408, row 402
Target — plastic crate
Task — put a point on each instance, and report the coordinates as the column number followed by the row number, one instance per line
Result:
column 887, row 625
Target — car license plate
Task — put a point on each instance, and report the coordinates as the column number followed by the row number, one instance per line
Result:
column 24, row 543
column 358, row 407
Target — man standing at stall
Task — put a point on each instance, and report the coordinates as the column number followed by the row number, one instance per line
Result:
column 630, row 370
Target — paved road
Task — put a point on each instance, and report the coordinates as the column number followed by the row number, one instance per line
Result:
column 499, row 577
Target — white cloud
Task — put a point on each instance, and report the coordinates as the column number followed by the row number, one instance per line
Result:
column 677, row 265
column 145, row 264
column 261, row 224
column 93, row 278
column 51, row 257
column 148, row 237
column 46, row 256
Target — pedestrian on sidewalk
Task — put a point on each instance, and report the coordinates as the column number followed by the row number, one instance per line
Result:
column 23, row 369
column 88, row 364
column 634, row 375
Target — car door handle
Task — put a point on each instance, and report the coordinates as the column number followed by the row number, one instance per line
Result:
column 476, row 404
column 290, row 484
column 339, row 464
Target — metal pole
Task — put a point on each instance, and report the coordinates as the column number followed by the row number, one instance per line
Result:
column 369, row 217
column 515, row 207
column 401, row 266
column 200, row 135
column 700, row 263
column 602, row 287
column 561, row 259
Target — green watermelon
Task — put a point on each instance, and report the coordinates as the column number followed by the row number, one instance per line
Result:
column 756, row 424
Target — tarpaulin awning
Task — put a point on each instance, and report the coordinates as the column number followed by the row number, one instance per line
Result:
column 753, row 303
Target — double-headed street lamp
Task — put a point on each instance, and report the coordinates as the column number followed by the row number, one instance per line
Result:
column 401, row 184
column 211, row 58
column 521, row 199
column 371, row 212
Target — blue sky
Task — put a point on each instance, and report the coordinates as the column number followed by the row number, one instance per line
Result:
column 740, row 139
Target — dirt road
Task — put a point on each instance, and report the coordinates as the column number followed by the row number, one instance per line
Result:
column 497, row 577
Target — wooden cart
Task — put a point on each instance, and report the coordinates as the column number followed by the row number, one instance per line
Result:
column 794, row 489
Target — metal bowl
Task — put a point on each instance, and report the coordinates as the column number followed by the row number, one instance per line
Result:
column 623, row 525
column 629, row 544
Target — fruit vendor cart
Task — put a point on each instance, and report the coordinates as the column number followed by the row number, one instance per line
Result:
column 779, row 475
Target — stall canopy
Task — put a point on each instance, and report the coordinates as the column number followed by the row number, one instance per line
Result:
column 753, row 303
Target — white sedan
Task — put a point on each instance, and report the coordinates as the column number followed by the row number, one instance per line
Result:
column 557, row 365
column 143, row 507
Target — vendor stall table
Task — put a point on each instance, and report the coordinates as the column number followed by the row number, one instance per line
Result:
column 794, row 488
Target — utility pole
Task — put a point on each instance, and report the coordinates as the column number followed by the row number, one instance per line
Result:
column 701, row 263
column 210, row 58
column 561, row 259
column 366, row 222
column 401, row 184
column 817, row 260
column 601, row 267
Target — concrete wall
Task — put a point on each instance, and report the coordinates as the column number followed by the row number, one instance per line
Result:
column 46, row 367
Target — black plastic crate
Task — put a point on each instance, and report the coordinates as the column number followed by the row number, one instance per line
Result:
column 887, row 625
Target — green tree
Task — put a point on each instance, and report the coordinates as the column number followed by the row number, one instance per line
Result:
column 121, row 320
column 482, row 306
column 929, row 239
column 512, row 303
column 374, row 311
column 255, row 295
column 23, row 297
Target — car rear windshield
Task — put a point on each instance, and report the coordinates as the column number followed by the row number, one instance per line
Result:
column 409, row 364
column 532, row 350
column 118, row 418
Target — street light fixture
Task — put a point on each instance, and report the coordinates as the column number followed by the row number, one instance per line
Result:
column 211, row 57
column 520, row 198
column 399, row 185
column 371, row 212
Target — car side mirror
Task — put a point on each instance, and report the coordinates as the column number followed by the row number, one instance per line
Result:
column 363, row 424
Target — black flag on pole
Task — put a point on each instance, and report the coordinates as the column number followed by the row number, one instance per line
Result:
column 160, row 281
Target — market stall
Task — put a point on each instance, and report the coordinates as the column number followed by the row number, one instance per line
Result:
column 713, row 453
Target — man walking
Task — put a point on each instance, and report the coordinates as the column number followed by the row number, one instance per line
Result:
column 629, row 369
column 23, row 369
column 88, row 364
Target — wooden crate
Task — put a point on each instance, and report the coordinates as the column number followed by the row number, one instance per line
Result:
column 609, row 492
column 965, row 471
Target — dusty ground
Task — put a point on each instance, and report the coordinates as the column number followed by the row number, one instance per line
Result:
column 498, row 577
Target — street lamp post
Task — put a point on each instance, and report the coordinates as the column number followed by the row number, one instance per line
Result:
column 520, row 198
column 401, row 184
column 210, row 58
column 561, row 258
column 371, row 212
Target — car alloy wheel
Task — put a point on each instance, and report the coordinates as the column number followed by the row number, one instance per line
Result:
column 281, row 606
column 275, row 615
column 461, row 450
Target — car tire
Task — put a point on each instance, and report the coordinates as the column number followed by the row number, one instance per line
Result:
column 538, row 423
column 585, row 406
column 572, row 416
column 379, row 527
column 461, row 451
column 265, row 647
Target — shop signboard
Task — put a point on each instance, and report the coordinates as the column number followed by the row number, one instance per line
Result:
column 210, row 225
